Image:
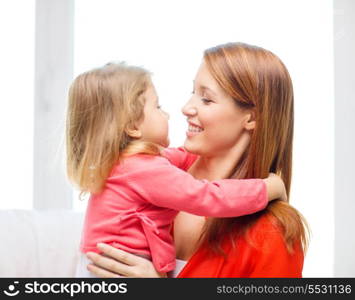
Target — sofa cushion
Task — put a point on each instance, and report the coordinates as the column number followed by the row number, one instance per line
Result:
column 39, row 243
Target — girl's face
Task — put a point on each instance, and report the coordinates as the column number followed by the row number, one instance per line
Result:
column 154, row 127
column 215, row 122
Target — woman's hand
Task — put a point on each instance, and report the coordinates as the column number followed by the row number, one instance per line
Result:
column 118, row 263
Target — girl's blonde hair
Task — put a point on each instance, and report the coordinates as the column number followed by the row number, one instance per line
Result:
column 104, row 104
column 257, row 79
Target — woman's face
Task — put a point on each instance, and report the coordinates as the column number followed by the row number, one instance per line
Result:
column 215, row 122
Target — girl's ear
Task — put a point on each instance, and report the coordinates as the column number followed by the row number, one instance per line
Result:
column 250, row 121
column 134, row 133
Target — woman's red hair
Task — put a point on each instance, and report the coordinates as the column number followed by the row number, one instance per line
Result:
column 257, row 79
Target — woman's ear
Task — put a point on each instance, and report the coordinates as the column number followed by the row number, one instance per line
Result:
column 250, row 122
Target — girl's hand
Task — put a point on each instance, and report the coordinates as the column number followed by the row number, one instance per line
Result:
column 115, row 263
column 275, row 188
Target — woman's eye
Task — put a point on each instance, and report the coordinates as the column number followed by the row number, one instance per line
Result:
column 206, row 101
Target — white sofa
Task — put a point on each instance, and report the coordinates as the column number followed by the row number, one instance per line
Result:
column 39, row 243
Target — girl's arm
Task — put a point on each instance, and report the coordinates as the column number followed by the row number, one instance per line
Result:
column 162, row 184
column 179, row 157
column 275, row 188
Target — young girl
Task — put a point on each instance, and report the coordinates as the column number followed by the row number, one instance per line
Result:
column 116, row 140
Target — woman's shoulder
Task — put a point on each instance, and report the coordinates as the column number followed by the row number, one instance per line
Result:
column 260, row 253
column 265, row 252
column 266, row 225
column 266, row 237
column 266, row 234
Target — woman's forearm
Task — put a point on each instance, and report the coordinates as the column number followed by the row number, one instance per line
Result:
column 118, row 263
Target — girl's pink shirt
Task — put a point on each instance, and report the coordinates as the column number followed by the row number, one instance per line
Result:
column 144, row 193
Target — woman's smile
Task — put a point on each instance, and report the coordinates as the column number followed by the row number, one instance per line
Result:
column 193, row 129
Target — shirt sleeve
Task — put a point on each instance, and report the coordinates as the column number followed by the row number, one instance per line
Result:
column 157, row 181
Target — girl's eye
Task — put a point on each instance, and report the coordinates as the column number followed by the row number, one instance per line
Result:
column 159, row 106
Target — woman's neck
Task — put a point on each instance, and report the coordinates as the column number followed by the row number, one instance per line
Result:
column 214, row 168
column 221, row 165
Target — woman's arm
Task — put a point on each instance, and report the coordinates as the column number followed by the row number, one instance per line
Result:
column 117, row 263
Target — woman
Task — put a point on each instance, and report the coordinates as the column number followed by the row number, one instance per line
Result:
column 239, row 91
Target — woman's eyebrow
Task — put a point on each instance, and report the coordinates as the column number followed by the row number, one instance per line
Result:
column 203, row 87
column 206, row 88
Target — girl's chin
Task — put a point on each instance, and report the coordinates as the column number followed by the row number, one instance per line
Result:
column 167, row 143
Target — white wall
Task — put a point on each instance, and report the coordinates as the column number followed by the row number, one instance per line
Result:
column 344, row 49
column 36, row 69
column 17, row 32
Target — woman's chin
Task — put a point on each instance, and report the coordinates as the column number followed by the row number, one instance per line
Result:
column 191, row 147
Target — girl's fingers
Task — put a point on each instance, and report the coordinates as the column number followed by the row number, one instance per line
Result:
column 110, row 265
column 120, row 255
column 101, row 273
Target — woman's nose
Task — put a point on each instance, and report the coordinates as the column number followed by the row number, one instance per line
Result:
column 188, row 109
